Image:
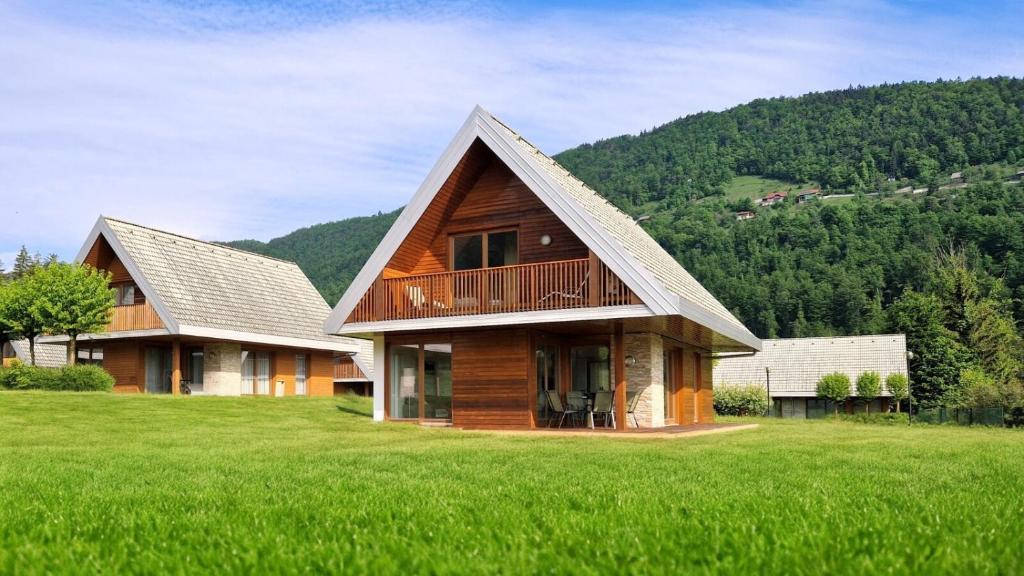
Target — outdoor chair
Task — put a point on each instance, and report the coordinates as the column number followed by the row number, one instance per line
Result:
column 417, row 298
column 604, row 406
column 577, row 402
column 557, row 409
column 574, row 295
column 633, row 400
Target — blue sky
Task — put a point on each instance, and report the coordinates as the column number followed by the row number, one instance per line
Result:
column 228, row 120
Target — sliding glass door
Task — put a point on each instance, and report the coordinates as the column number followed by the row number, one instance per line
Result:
column 591, row 370
column 158, row 370
column 420, row 383
column 255, row 372
column 547, row 378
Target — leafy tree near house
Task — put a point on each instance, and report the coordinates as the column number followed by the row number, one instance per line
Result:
column 18, row 316
column 869, row 386
column 72, row 300
column 899, row 387
column 835, row 387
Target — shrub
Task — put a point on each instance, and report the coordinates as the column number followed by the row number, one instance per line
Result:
column 70, row 378
column 977, row 390
column 748, row 400
column 835, row 387
column 884, row 418
column 898, row 386
column 869, row 386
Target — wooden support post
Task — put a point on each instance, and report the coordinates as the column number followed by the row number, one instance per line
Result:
column 619, row 347
column 378, row 298
column 594, row 281
column 176, row 367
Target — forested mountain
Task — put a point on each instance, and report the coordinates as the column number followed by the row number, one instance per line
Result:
column 796, row 270
column 853, row 139
column 330, row 254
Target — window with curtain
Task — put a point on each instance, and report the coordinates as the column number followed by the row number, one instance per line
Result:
column 263, row 373
column 247, row 372
column 300, row 375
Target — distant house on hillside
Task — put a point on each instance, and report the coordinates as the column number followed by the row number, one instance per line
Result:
column 794, row 366
column 745, row 215
column 47, row 355
column 773, row 198
column 956, row 178
column 1019, row 175
column 807, row 195
column 200, row 318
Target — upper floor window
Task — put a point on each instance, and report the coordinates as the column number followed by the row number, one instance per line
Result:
column 485, row 250
column 124, row 295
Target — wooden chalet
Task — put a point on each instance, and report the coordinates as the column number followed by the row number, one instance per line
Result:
column 505, row 277
column 197, row 317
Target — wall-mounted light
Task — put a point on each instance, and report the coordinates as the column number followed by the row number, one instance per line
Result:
column 545, row 240
column 630, row 360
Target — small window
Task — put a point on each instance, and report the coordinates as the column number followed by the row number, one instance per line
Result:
column 467, row 252
column 300, row 375
column 485, row 250
column 124, row 295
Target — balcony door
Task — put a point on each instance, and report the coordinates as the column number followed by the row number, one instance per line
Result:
column 420, row 381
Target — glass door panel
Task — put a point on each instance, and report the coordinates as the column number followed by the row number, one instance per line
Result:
column 158, row 371
column 405, row 386
column 547, row 378
column 300, row 375
column 590, row 369
column 263, row 373
column 437, row 381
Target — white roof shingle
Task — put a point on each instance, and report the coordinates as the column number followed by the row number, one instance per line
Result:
column 47, row 355
column 796, row 364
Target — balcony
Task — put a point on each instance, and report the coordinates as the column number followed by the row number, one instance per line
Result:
column 346, row 369
column 581, row 283
column 134, row 317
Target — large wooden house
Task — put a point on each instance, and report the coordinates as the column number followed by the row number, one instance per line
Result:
column 208, row 319
column 506, row 277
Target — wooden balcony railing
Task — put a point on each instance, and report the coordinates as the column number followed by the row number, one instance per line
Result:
column 523, row 288
column 134, row 317
column 345, row 368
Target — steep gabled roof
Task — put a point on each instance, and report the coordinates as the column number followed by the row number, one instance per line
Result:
column 204, row 289
column 660, row 282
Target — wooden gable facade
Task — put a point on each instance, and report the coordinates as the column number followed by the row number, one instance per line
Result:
column 553, row 268
column 132, row 310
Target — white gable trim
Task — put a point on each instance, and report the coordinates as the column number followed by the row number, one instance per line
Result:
column 101, row 228
column 248, row 337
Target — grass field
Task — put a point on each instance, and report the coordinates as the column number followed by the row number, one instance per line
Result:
column 755, row 187
column 104, row 483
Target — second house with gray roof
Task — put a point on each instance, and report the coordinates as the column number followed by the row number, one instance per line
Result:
column 201, row 318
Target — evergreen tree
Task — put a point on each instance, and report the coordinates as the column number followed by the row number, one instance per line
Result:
column 23, row 264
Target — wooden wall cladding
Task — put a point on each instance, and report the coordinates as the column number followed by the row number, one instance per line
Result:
column 321, row 374
column 490, row 379
column 123, row 360
column 499, row 199
column 705, row 393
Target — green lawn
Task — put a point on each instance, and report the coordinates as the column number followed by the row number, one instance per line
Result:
column 104, row 483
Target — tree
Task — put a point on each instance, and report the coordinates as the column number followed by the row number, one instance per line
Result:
column 72, row 300
column 899, row 387
column 18, row 314
column 869, row 386
column 835, row 387
column 23, row 264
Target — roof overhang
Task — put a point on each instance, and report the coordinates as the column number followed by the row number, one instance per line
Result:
column 367, row 329
column 267, row 339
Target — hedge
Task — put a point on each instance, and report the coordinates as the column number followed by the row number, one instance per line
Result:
column 749, row 400
column 84, row 378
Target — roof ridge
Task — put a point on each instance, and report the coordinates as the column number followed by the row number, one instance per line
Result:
column 198, row 241
column 555, row 163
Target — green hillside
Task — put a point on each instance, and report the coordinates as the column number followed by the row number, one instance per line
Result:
column 826, row 268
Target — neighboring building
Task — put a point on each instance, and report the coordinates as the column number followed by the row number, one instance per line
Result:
column 773, row 198
column 796, row 364
column 47, row 355
column 1019, row 175
column 745, row 215
column 221, row 320
column 807, row 195
column 506, row 277
column 956, row 178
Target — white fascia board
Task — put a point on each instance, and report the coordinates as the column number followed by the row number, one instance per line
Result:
column 152, row 296
column 100, row 336
column 582, row 224
column 359, row 361
column 503, row 319
column 266, row 339
column 403, row 224
column 701, row 316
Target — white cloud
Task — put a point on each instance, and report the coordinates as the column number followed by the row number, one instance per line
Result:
column 224, row 129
